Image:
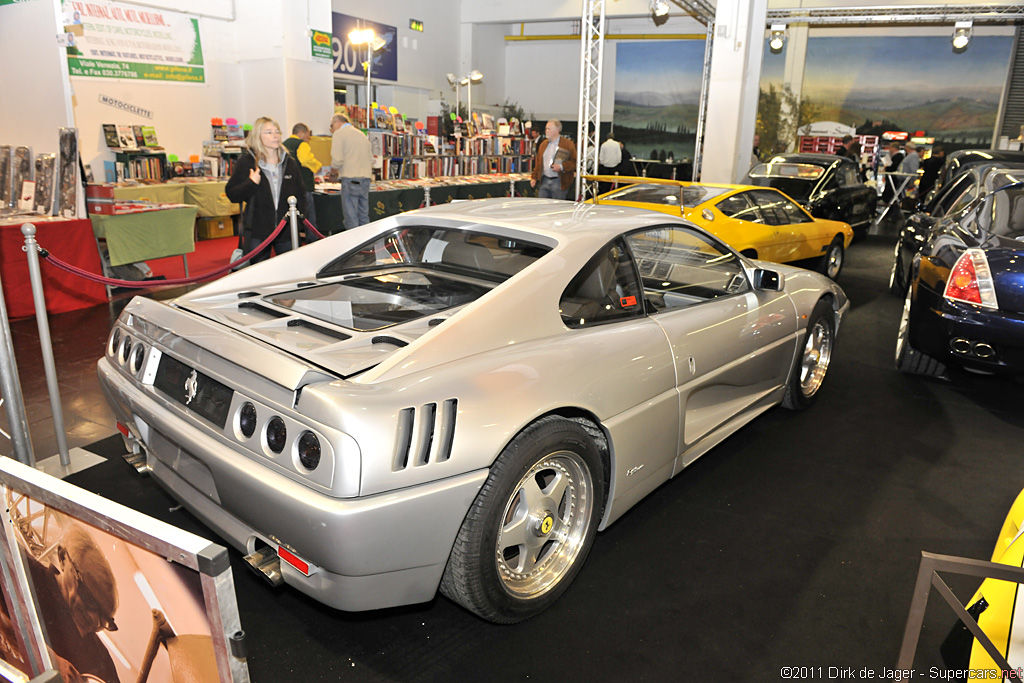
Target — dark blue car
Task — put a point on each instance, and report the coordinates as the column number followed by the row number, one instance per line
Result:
column 965, row 295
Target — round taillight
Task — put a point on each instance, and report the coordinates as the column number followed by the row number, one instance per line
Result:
column 126, row 349
column 138, row 358
column 276, row 434
column 247, row 420
column 309, row 450
column 115, row 337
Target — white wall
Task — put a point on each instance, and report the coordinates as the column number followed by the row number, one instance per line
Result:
column 30, row 114
column 257, row 65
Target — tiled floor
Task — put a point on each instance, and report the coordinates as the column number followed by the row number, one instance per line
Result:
column 78, row 339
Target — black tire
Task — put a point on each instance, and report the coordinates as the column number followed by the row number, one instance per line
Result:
column 897, row 276
column 909, row 359
column 546, row 490
column 815, row 355
column 830, row 263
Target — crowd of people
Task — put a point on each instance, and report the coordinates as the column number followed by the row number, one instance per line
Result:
column 907, row 161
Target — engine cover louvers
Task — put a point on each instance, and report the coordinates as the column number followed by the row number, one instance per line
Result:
column 425, row 434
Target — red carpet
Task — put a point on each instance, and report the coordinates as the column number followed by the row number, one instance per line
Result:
column 209, row 255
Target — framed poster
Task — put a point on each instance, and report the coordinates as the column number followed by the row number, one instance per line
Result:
column 117, row 595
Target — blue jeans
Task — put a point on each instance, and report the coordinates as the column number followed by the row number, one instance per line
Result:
column 551, row 188
column 355, row 201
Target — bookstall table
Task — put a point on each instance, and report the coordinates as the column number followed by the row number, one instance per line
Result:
column 70, row 240
column 384, row 203
column 147, row 235
column 157, row 192
column 210, row 199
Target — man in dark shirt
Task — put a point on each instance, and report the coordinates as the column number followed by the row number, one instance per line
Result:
column 931, row 166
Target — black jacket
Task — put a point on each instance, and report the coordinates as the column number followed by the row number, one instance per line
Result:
column 260, row 216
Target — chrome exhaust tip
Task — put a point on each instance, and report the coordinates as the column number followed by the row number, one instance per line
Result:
column 138, row 461
column 983, row 350
column 267, row 564
column 960, row 345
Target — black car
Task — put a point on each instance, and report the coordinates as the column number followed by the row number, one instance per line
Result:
column 965, row 286
column 828, row 186
column 963, row 159
column 973, row 182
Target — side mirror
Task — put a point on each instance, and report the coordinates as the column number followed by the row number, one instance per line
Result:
column 770, row 280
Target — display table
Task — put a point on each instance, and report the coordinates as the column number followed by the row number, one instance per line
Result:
column 148, row 235
column 384, row 203
column 207, row 196
column 71, row 241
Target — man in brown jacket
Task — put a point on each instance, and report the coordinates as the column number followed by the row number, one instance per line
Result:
column 554, row 169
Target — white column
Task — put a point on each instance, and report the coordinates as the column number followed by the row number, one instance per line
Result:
column 732, row 96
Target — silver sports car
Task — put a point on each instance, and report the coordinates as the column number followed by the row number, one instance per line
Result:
column 459, row 397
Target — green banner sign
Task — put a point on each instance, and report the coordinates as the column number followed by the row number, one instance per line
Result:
column 131, row 42
column 320, row 43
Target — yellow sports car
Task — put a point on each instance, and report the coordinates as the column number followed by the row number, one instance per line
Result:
column 759, row 222
column 996, row 606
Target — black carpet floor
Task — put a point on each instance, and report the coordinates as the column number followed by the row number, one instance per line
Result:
column 794, row 543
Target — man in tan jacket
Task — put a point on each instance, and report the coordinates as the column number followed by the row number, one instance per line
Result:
column 351, row 161
column 554, row 168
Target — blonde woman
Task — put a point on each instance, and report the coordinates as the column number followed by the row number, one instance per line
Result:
column 264, row 177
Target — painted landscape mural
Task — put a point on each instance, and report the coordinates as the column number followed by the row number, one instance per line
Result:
column 657, row 97
column 879, row 84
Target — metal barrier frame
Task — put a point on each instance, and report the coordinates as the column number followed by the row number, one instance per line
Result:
column 927, row 577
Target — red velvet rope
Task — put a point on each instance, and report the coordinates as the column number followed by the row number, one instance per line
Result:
column 92, row 277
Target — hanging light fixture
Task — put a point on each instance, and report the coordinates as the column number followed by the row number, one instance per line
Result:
column 777, row 39
column 962, row 35
column 659, row 8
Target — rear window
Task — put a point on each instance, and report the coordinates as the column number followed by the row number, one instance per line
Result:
column 464, row 252
column 669, row 195
column 382, row 299
column 1003, row 212
column 796, row 180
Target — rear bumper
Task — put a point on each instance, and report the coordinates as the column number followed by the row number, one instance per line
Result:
column 365, row 553
column 962, row 334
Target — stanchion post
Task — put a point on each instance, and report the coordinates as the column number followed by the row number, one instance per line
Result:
column 511, row 187
column 426, row 196
column 10, row 385
column 32, row 250
column 293, row 216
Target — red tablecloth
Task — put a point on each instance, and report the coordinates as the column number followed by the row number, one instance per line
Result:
column 71, row 241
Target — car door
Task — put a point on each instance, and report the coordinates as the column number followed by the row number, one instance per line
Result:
column 796, row 236
column 732, row 345
column 749, row 229
column 840, row 196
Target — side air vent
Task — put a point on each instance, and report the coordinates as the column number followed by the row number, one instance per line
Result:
column 436, row 321
column 246, row 295
column 425, row 435
column 403, row 437
column 387, row 339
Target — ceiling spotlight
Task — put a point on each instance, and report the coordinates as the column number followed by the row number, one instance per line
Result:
column 659, row 8
column 961, row 36
column 778, row 38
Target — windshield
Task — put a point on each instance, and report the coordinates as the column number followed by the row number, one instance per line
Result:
column 796, row 180
column 1002, row 212
column 669, row 195
column 457, row 251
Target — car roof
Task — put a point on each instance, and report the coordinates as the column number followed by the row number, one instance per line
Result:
column 549, row 219
column 808, row 158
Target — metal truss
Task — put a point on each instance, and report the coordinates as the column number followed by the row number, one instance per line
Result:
column 591, row 62
column 898, row 14
column 701, row 10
